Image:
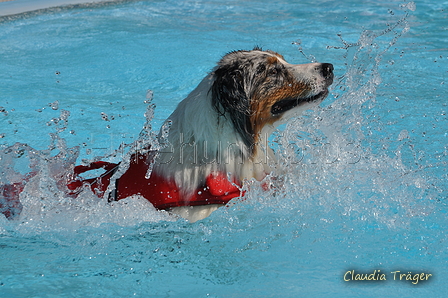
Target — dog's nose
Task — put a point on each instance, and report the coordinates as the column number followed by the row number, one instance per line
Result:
column 327, row 71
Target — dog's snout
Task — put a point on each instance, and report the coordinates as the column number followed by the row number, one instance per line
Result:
column 327, row 71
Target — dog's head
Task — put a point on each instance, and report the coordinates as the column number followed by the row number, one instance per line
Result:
column 256, row 88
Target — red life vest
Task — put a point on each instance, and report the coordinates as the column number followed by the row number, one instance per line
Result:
column 161, row 192
column 10, row 204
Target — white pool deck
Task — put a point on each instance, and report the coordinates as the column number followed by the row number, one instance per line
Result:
column 11, row 7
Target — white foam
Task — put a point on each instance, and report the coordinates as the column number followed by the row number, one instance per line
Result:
column 61, row 213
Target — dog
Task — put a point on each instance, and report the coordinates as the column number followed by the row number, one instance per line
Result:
column 217, row 135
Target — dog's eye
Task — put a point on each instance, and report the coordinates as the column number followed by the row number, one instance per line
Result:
column 273, row 72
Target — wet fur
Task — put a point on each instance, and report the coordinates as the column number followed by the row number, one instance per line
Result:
column 223, row 124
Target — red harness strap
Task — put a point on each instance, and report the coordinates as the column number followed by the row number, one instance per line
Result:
column 98, row 185
column 161, row 192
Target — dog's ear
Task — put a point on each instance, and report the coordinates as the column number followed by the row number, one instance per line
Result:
column 230, row 99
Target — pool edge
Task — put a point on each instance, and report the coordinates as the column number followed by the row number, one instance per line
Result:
column 14, row 7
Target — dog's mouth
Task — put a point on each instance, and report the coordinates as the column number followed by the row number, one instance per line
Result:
column 287, row 104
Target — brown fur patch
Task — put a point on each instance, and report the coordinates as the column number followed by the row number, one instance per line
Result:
column 261, row 104
column 272, row 60
column 280, row 56
column 276, row 54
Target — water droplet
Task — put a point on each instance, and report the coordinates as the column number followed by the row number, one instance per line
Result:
column 54, row 105
column 404, row 134
column 149, row 96
column 411, row 6
column 4, row 111
column 104, row 116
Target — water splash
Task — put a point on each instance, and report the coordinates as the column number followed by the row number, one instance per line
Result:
column 336, row 169
column 337, row 166
column 43, row 175
column 310, row 57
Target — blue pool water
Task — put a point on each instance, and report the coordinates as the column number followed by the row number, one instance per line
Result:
column 366, row 184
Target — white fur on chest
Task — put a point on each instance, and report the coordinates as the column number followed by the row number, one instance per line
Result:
column 201, row 141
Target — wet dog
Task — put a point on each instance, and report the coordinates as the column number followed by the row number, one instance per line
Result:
column 217, row 135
